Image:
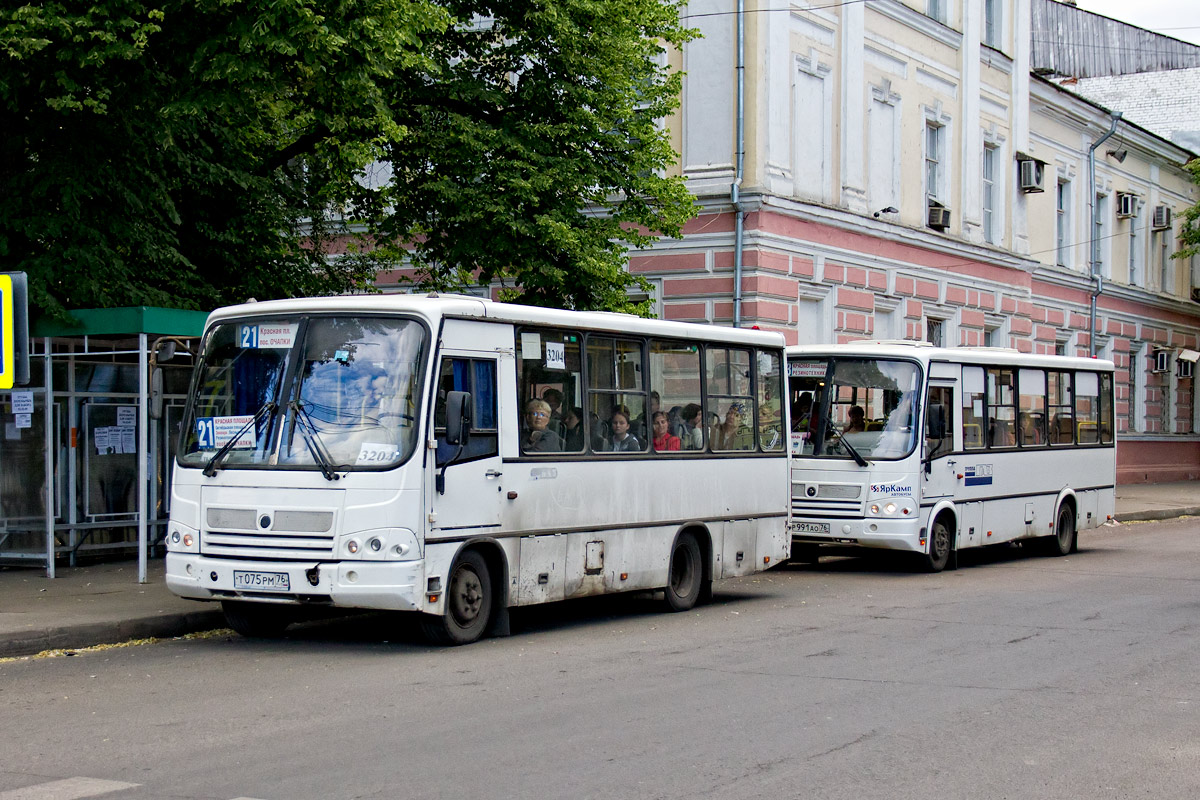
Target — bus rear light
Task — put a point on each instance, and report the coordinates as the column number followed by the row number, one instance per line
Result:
column 432, row 597
column 624, row 576
column 766, row 559
column 187, row 540
column 352, row 546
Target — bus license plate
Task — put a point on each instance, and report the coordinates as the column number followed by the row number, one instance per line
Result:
column 264, row 581
column 821, row 528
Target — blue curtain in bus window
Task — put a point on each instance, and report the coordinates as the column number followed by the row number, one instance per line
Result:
column 462, row 375
column 485, row 395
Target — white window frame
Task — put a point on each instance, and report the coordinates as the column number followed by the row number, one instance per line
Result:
column 990, row 193
column 993, row 23
column 1062, row 238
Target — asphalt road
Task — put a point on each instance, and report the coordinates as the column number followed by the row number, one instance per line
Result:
column 1015, row 676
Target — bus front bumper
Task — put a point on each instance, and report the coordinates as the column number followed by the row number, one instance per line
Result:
column 887, row 534
column 392, row 586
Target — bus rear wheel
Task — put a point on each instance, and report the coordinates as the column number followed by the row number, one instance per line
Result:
column 467, row 606
column 686, row 574
column 939, row 547
column 257, row 620
column 1065, row 539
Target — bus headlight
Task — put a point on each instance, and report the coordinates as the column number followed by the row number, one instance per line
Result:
column 381, row 544
column 182, row 539
column 901, row 507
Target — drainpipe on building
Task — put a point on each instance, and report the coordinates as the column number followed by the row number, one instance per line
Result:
column 1094, row 255
column 735, row 187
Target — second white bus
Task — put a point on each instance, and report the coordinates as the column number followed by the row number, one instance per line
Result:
column 927, row 451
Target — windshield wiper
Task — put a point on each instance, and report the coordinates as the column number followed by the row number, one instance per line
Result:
column 313, row 440
column 858, row 459
column 210, row 469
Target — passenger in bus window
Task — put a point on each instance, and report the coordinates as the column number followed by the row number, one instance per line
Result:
column 622, row 440
column 802, row 412
column 536, row 436
column 554, row 398
column 572, row 430
column 691, row 430
column 641, row 427
column 1030, row 429
column 858, row 420
column 732, row 433
column 663, row 440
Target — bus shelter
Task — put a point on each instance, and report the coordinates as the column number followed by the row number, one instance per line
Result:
column 86, row 451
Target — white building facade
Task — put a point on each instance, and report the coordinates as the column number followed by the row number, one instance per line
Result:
column 903, row 175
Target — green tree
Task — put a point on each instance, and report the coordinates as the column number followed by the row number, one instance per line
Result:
column 198, row 153
column 1189, row 234
column 536, row 155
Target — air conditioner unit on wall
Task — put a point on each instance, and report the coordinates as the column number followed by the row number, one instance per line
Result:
column 1032, row 175
column 1162, row 217
column 1126, row 205
column 1161, row 359
column 939, row 217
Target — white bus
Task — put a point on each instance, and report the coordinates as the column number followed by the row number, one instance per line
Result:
column 456, row 457
column 927, row 450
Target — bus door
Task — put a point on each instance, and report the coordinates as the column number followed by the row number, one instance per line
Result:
column 938, row 477
column 468, row 481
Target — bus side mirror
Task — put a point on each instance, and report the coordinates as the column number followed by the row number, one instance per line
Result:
column 156, row 393
column 458, row 417
column 935, row 421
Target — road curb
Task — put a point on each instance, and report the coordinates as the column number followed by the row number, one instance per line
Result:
column 1157, row 514
column 73, row 637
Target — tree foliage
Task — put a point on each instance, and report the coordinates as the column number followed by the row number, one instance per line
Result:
column 1189, row 235
column 201, row 152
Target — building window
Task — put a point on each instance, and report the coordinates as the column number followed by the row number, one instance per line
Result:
column 989, row 195
column 934, row 332
column 1099, row 239
column 991, row 23
column 937, row 9
column 1063, row 241
column 933, row 159
column 1135, row 255
column 1166, row 272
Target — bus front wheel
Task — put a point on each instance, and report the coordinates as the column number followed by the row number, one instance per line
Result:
column 467, row 605
column 686, row 574
column 939, row 547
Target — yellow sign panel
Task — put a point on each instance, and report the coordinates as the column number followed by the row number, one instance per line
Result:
column 8, row 337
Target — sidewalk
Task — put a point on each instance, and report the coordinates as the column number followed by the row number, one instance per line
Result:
column 104, row 604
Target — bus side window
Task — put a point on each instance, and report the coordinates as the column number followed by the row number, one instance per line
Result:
column 479, row 378
column 939, row 421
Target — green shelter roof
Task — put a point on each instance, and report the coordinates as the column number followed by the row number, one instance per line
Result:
column 125, row 322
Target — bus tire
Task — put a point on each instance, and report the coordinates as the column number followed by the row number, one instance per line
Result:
column 257, row 620
column 467, row 606
column 685, row 574
column 1065, row 539
column 940, row 544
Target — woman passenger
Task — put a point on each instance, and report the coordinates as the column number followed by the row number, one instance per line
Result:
column 663, row 440
column 622, row 440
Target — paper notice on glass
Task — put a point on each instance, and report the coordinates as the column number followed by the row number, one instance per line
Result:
column 103, row 441
column 126, row 416
column 24, row 420
column 128, row 440
column 531, row 346
column 22, row 402
column 12, row 432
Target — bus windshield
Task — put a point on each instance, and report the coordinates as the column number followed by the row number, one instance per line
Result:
column 843, row 406
column 326, row 392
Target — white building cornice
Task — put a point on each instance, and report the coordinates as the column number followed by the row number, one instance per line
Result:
column 917, row 21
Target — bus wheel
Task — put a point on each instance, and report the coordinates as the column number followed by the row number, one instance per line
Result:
column 686, row 574
column 939, row 547
column 257, row 620
column 1065, row 540
column 468, row 603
